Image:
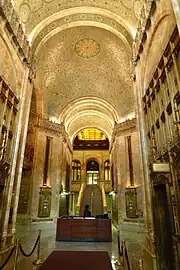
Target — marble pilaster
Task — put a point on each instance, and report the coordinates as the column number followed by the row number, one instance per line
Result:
column 20, row 159
column 148, row 219
column 11, row 179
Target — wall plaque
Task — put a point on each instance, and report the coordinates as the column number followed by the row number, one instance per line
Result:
column 131, row 202
column 44, row 202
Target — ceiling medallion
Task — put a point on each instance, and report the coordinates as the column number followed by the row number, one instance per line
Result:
column 87, row 48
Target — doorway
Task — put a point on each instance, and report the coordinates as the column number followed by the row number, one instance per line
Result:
column 163, row 228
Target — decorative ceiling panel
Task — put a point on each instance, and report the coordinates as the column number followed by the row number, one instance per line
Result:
column 33, row 12
column 91, row 134
column 64, row 75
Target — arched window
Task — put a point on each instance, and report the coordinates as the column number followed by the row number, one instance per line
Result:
column 92, row 172
column 76, row 170
column 107, row 173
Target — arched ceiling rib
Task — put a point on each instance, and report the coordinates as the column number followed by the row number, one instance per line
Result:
column 82, row 14
column 88, row 112
column 33, row 12
column 44, row 37
column 82, row 49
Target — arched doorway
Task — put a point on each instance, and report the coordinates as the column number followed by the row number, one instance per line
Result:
column 92, row 172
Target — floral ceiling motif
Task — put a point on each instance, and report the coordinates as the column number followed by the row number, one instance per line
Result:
column 87, row 48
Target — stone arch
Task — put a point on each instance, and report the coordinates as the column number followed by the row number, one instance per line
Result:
column 80, row 10
column 89, row 112
column 93, row 159
column 85, row 23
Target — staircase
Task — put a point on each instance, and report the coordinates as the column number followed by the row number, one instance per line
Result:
column 92, row 195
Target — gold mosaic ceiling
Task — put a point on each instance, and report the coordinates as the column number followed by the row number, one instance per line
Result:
column 91, row 134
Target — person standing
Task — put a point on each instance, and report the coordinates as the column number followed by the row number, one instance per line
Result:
column 87, row 212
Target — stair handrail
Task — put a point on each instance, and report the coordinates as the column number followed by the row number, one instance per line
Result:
column 103, row 196
column 126, row 257
column 82, row 188
column 123, row 258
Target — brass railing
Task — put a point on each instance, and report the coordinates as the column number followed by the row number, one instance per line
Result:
column 15, row 250
column 123, row 257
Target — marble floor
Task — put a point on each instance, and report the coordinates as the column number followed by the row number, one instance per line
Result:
column 28, row 235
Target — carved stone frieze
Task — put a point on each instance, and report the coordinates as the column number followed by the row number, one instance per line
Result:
column 33, row 12
column 4, row 172
column 171, row 146
column 147, row 12
column 15, row 22
column 125, row 126
column 81, row 17
column 14, row 29
column 54, row 128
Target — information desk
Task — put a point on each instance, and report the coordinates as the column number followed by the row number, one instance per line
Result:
column 84, row 230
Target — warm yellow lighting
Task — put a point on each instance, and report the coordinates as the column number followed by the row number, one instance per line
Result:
column 91, row 134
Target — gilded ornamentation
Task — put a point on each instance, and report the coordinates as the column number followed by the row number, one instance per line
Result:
column 24, row 12
column 15, row 28
column 36, row 5
column 87, row 48
column 40, row 9
column 6, row 66
column 80, row 17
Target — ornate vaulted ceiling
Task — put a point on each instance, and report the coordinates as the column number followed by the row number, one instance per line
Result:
column 81, row 62
column 82, row 50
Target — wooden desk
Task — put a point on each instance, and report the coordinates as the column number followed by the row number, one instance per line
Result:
column 84, row 230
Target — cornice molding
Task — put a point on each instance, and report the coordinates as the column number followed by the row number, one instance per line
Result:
column 54, row 128
column 49, row 126
column 128, row 125
column 120, row 129
column 144, row 25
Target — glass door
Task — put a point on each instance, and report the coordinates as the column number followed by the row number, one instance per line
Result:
column 92, row 177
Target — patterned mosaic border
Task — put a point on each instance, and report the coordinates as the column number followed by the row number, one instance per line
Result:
column 81, row 17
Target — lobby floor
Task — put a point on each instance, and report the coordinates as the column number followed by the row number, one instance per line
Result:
column 28, row 235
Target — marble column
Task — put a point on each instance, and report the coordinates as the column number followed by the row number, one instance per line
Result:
column 20, row 158
column 144, row 154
